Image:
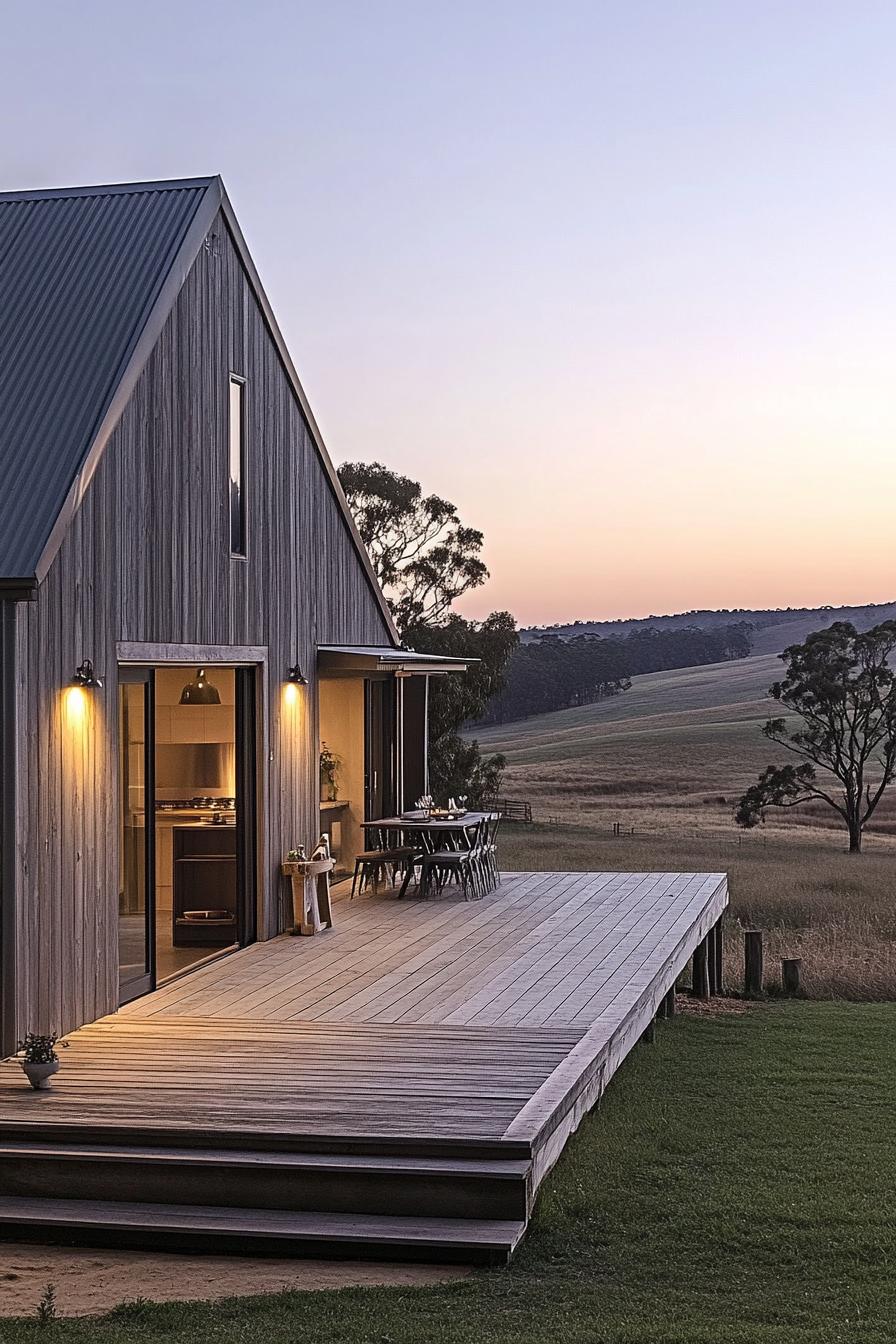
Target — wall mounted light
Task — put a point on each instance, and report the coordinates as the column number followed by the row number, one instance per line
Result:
column 199, row 691
column 86, row 678
column 296, row 676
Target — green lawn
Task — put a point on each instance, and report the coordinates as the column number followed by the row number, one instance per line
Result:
column 737, row 1184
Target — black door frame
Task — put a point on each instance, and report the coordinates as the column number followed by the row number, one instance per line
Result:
column 246, row 740
column 145, row 676
column 246, row 804
column 380, row 742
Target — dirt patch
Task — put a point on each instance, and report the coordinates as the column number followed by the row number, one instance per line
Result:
column 88, row 1282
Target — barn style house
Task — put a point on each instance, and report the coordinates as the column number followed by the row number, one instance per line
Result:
column 199, row 672
column 188, row 610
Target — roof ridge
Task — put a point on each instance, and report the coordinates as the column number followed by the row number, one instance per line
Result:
column 109, row 189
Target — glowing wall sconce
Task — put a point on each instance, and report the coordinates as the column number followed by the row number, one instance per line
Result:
column 295, row 678
column 86, row 678
column 76, row 697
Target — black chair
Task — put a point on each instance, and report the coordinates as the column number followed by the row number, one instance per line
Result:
column 493, row 872
column 465, row 865
column 376, row 863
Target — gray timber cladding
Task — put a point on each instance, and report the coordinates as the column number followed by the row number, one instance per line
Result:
column 79, row 274
column 146, row 558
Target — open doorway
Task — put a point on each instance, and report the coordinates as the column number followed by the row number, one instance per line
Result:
column 359, row 775
column 187, row 819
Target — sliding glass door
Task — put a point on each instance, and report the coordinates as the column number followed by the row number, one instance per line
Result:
column 136, row 894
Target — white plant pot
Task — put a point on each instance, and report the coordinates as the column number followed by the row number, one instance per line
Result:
column 39, row 1075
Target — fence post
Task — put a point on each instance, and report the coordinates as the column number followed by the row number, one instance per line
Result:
column 753, row 963
column 790, row 974
column 700, row 979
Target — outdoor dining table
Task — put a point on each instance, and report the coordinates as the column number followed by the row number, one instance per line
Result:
column 432, row 832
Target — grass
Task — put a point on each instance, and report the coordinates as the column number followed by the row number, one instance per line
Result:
column 667, row 760
column 735, row 1187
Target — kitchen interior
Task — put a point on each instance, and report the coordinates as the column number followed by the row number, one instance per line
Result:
column 193, row 814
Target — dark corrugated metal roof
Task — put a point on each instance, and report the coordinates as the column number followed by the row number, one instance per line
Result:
column 80, row 271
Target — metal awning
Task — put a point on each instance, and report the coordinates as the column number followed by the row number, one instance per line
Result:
column 361, row 660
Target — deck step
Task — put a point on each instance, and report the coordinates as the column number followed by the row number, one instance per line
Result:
column 290, row 1140
column 246, row 1178
column 212, row 1228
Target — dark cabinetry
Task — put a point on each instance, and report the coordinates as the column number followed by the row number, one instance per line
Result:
column 205, row 886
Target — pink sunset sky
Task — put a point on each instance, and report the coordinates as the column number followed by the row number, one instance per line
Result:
column 617, row 278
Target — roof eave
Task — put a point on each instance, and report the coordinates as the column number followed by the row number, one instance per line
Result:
column 18, row 589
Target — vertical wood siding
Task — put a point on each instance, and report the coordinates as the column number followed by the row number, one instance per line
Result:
column 147, row 559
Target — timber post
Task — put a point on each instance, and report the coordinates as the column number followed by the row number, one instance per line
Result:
column 700, row 987
column 711, row 939
column 720, row 947
column 790, row 974
column 753, row 977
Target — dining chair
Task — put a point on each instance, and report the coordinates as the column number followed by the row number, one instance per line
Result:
column 491, row 849
column 465, row 865
column 376, row 862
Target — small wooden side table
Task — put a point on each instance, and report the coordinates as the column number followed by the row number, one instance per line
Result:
column 311, row 908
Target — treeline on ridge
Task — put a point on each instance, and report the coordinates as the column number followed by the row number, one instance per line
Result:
column 552, row 673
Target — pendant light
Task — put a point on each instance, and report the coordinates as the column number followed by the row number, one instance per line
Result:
column 199, row 691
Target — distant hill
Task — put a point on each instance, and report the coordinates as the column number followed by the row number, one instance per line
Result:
column 773, row 629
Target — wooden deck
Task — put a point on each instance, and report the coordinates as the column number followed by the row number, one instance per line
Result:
column 424, row 1031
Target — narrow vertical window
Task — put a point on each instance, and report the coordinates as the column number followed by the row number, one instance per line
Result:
column 237, row 466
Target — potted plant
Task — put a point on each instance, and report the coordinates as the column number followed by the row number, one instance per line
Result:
column 39, row 1058
column 329, row 769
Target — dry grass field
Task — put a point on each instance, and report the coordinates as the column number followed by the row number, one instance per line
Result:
column 667, row 760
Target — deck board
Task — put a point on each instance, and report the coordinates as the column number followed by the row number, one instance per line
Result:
column 495, row 1020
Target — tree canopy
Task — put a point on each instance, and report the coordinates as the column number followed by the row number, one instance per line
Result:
column 841, row 686
column 425, row 559
column 423, row 555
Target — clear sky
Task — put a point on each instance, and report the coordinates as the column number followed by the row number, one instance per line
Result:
column 617, row 278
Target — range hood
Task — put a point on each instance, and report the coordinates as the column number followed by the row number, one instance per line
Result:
column 195, row 767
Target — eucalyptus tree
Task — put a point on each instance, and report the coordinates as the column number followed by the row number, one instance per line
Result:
column 840, row 691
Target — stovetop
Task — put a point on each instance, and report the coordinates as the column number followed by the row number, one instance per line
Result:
column 198, row 803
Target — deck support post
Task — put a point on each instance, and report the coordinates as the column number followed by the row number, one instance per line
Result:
column 790, row 974
column 667, row 1004
column 753, row 963
column 648, row 1035
column 711, row 961
column 719, row 951
column 700, row 988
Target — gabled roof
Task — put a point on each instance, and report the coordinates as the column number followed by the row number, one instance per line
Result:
column 88, row 277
